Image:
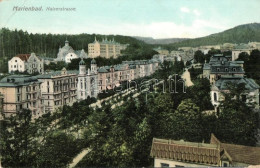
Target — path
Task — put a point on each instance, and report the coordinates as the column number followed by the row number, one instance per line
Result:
column 186, row 77
column 79, row 157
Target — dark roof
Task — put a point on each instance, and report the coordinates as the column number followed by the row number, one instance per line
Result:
column 23, row 57
column 239, row 153
column 82, row 62
column 93, row 61
column 250, row 84
column 18, row 80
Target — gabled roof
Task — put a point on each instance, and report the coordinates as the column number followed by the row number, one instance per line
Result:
column 23, row 57
column 239, row 153
column 200, row 153
column 203, row 153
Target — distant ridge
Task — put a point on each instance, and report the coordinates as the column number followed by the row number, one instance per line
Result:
column 239, row 34
column 150, row 40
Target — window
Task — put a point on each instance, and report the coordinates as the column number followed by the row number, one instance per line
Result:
column 215, row 96
column 226, row 69
column 218, row 69
column 234, row 69
column 163, row 165
column 15, row 60
column 243, row 98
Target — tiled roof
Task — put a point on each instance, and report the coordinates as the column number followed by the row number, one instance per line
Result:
column 186, row 151
column 23, row 57
column 239, row 153
column 202, row 153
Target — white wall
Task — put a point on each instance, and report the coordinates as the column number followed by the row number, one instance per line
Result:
column 172, row 163
column 16, row 64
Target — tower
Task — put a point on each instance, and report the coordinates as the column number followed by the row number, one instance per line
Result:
column 82, row 67
column 93, row 66
column 66, row 42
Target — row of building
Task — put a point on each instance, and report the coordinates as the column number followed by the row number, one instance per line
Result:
column 187, row 53
column 49, row 91
column 220, row 71
column 105, row 48
column 32, row 64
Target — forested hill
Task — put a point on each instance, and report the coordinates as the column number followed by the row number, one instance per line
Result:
column 19, row 42
column 239, row 34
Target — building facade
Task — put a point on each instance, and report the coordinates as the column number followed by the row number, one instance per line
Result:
column 21, row 92
column 220, row 86
column 87, row 81
column 29, row 63
column 34, row 64
column 105, row 48
column 219, row 66
column 58, row 88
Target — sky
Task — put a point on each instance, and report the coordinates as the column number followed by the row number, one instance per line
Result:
column 147, row 18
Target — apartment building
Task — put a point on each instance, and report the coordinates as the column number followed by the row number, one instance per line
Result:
column 58, row 88
column 21, row 92
column 105, row 48
column 220, row 65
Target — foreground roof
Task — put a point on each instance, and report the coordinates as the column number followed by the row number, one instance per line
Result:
column 200, row 153
column 239, row 153
column 204, row 153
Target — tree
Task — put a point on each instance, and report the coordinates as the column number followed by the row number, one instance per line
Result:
column 237, row 122
column 199, row 56
column 57, row 151
column 187, row 122
column 18, row 142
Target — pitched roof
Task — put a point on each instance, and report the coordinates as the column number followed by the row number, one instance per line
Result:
column 203, row 153
column 23, row 57
column 186, row 151
column 239, row 153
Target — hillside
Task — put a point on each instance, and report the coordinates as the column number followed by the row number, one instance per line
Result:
column 239, row 34
column 13, row 42
column 150, row 40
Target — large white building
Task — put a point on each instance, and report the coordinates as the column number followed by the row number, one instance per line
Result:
column 67, row 53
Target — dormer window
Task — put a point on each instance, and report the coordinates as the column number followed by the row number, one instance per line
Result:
column 218, row 69
column 226, row 69
column 234, row 69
